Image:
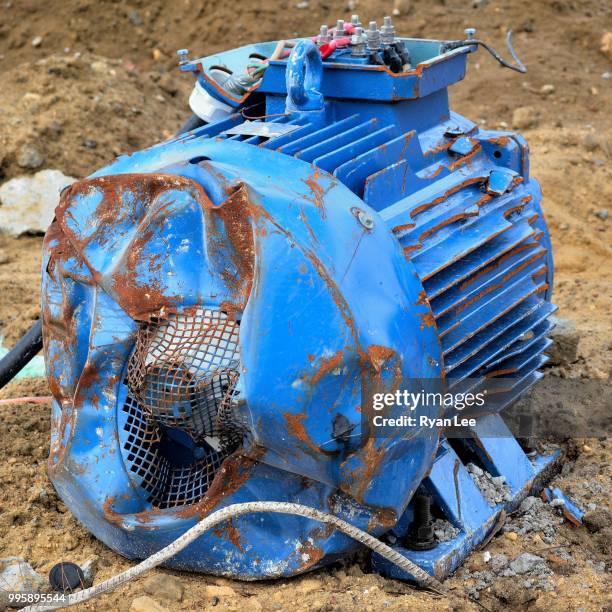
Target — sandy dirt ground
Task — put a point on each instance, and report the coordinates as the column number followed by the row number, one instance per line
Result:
column 83, row 80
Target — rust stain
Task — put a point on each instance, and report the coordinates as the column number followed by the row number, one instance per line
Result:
column 455, row 189
column 230, row 532
column 379, row 355
column 435, row 172
column 372, row 457
column 403, row 228
column 326, row 365
column 485, row 199
column 413, row 247
column 234, row 213
column 501, row 141
column 296, row 428
column 383, row 518
column 497, row 264
column 442, row 224
column 310, row 555
column 317, row 190
column 427, row 319
column 465, row 159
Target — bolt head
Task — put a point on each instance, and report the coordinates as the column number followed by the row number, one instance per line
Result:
column 365, row 220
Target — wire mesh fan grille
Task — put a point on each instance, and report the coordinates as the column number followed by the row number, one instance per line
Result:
column 182, row 381
column 167, row 485
column 183, row 367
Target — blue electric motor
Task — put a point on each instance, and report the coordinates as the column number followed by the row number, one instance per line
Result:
column 220, row 309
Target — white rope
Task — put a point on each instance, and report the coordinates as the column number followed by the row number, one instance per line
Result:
column 422, row 577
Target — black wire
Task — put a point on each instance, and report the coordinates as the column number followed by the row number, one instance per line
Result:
column 519, row 67
column 21, row 354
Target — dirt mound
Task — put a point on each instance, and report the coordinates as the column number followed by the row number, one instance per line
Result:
column 76, row 112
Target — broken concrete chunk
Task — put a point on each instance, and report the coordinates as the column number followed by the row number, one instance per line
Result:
column 527, row 563
column 565, row 337
column 18, row 576
column 164, row 586
column 27, row 203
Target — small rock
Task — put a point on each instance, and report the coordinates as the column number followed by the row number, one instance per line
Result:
column 135, row 18
column 510, row 535
column 526, row 563
column 99, row 66
column 557, row 503
column 527, row 504
column 602, row 214
column 444, row 531
column 606, row 45
column 591, row 142
column 402, row 7
column 28, row 203
column 302, row 5
column 547, row 89
column 528, row 26
column 156, row 54
column 606, row 75
column 146, row 604
column 168, row 84
column 29, row 157
column 596, row 520
column 524, row 118
column 164, row 586
column 565, row 336
column 475, row 469
column 90, row 143
column 37, row 41
column 486, row 556
column 499, row 562
column 18, row 576
column 90, row 567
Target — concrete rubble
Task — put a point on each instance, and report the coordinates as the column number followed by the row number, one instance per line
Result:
column 18, row 576
column 444, row 531
column 535, row 516
column 27, row 203
column 493, row 488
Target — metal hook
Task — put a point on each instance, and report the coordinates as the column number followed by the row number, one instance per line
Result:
column 518, row 66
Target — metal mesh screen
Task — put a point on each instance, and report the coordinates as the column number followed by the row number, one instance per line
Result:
column 182, row 380
column 184, row 367
column 167, row 485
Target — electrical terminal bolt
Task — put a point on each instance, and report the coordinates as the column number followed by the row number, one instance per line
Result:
column 387, row 31
column 355, row 21
column 324, row 36
column 339, row 30
column 373, row 37
column 359, row 43
column 183, row 56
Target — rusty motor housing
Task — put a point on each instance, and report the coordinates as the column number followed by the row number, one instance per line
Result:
column 220, row 309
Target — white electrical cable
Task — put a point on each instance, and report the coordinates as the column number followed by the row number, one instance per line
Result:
column 422, row 577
